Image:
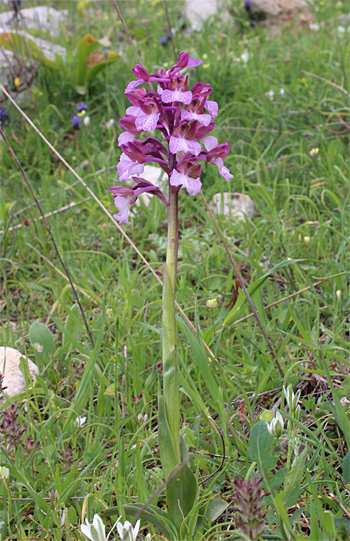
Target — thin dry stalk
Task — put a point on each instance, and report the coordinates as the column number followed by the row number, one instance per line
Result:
column 169, row 29
column 328, row 82
column 243, row 286
column 49, row 214
column 58, row 271
column 126, row 30
column 50, row 233
column 279, row 301
column 189, row 323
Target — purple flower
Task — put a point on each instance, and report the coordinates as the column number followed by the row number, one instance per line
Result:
column 212, row 108
column 127, row 167
column 4, row 117
column 125, row 196
column 187, row 173
column 177, row 92
column 81, row 107
column 182, row 139
column 146, row 114
column 164, row 40
column 194, row 111
column 184, row 119
column 76, row 121
column 184, row 61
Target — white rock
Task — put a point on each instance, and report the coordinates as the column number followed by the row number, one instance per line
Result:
column 158, row 177
column 237, row 205
column 49, row 50
column 43, row 18
column 198, row 11
column 281, row 12
column 9, row 367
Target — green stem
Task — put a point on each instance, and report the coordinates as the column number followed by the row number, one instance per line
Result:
column 170, row 363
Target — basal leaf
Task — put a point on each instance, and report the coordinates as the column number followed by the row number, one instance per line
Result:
column 260, row 442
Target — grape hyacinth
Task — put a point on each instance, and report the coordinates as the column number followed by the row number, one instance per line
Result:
column 184, row 119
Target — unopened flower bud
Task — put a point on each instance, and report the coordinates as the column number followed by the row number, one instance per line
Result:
column 314, row 152
column 276, row 426
column 338, row 294
column 212, row 303
column 307, row 240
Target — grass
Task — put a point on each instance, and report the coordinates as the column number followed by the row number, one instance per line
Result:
column 303, row 221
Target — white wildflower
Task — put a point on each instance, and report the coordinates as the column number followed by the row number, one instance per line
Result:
column 127, row 532
column 86, row 120
column 291, row 398
column 314, row 26
column 80, row 421
column 270, row 94
column 245, row 57
column 96, row 530
column 276, row 426
column 110, row 123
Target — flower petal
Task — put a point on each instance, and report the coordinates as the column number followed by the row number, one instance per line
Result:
column 178, row 144
column 124, row 138
column 122, row 203
column 192, row 185
column 147, row 122
column 212, row 107
column 169, row 96
column 86, row 530
column 209, row 142
column 189, row 115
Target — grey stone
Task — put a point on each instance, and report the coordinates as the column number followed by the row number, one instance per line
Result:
column 282, row 12
column 236, row 205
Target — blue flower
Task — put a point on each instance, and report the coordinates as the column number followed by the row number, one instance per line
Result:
column 76, row 121
column 81, row 107
column 4, row 117
column 164, row 40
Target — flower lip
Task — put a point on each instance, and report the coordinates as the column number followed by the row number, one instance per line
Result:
column 76, row 121
column 81, row 107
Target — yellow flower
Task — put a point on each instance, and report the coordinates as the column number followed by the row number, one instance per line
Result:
column 314, row 152
column 17, row 81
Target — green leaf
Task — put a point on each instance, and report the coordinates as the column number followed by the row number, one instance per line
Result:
column 85, row 46
column 314, row 531
column 72, row 325
column 346, row 467
column 182, row 490
column 150, row 513
column 329, row 523
column 166, row 447
column 85, row 383
column 253, row 288
column 100, row 64
column 201, row 359
column 260, row 442
column 41, row 340
column 217, row 506
column 294, row 475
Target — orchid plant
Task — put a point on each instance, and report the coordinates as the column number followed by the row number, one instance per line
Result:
column 184, row 120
